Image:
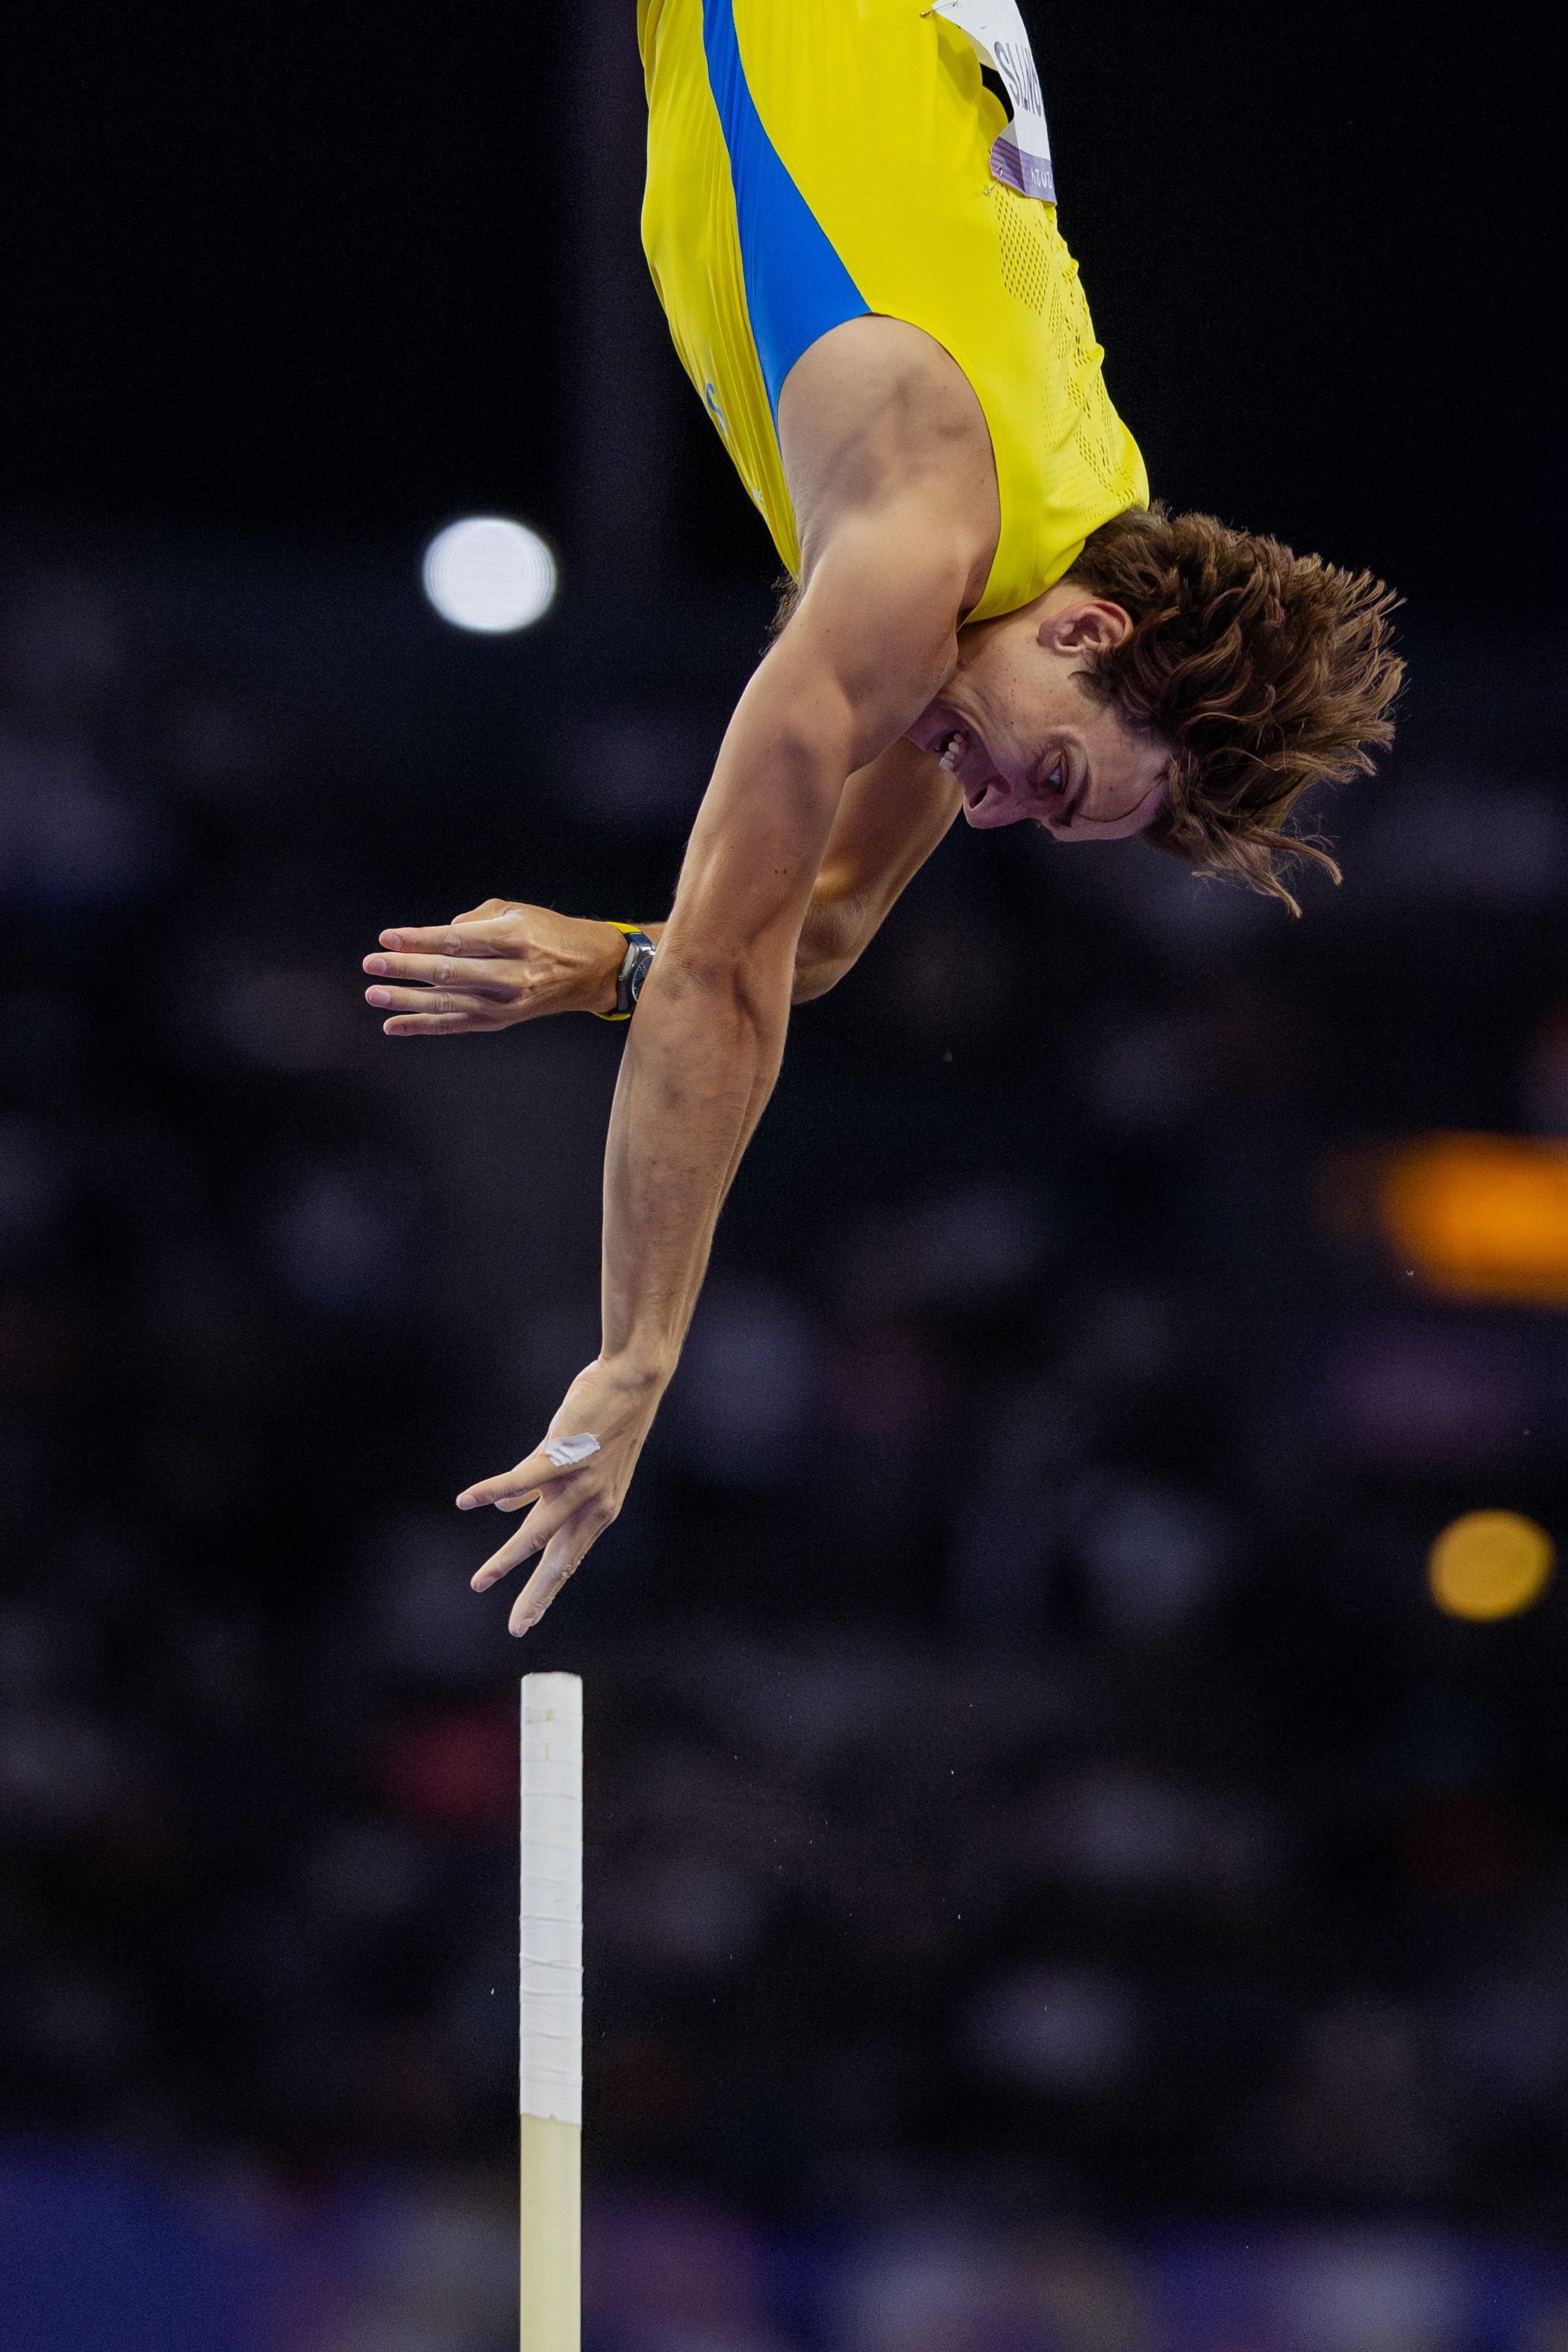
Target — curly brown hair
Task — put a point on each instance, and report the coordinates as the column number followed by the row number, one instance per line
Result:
column 1265, row 671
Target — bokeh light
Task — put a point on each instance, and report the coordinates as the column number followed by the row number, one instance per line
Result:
column 490, row 573
column 1481, row 1216
column 1490, row 1564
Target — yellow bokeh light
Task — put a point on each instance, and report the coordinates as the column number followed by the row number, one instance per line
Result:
column 1490, row 1564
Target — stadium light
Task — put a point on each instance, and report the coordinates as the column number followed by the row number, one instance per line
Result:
column 490, row 573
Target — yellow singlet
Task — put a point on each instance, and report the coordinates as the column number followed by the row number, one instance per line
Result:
column 812, row 160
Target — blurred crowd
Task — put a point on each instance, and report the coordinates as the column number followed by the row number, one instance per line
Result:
column 1033, row 1804
column 96, row 2251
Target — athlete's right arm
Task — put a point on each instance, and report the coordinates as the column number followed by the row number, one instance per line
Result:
column 866, row 649
column 503, row 962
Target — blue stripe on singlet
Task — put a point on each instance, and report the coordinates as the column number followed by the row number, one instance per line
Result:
column 796, row 286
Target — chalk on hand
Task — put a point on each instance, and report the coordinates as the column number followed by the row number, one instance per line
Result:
column 565, row 1452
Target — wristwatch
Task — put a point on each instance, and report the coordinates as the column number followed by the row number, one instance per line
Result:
column 634, row 963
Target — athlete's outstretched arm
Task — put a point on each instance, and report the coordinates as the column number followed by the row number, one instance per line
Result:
column 869, row 646
column 503, row 962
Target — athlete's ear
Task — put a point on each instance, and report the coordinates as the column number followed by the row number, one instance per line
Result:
column 1094, row 626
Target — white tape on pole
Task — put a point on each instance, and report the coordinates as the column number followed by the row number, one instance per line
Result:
column 551, row 2022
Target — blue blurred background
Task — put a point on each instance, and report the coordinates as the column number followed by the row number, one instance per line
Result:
column 1057, row 1882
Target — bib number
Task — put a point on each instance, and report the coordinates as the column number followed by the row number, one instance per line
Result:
column 1021, row 158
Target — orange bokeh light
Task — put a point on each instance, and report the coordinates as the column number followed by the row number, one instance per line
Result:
column 1480, row 1216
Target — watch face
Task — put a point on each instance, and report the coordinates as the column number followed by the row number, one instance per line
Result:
column 634, row 972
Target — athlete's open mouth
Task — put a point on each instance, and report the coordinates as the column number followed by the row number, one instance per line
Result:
column 966, row 759
column 958, row 750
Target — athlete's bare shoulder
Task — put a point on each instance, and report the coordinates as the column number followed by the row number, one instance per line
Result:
column 877, row 417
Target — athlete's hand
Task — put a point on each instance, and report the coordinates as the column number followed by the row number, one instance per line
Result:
column 573, row 1503
column 496, row 964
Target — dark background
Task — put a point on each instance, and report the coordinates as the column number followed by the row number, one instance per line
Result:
column 1055, row 1882
column 320, row 272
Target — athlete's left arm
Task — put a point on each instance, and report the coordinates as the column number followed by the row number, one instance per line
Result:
column 894, row 813
column 870, row 644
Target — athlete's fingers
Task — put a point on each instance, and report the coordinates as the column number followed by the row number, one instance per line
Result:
column 512, row 1553
column 534, row 1474
column 468, row 1012
column 439, row 1025
column 563, row 1556
column 446, row 939
column 433, row 1000
column 468, row 973
column 550, row 1513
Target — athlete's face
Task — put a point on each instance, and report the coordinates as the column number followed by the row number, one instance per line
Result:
column 1017, row 727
